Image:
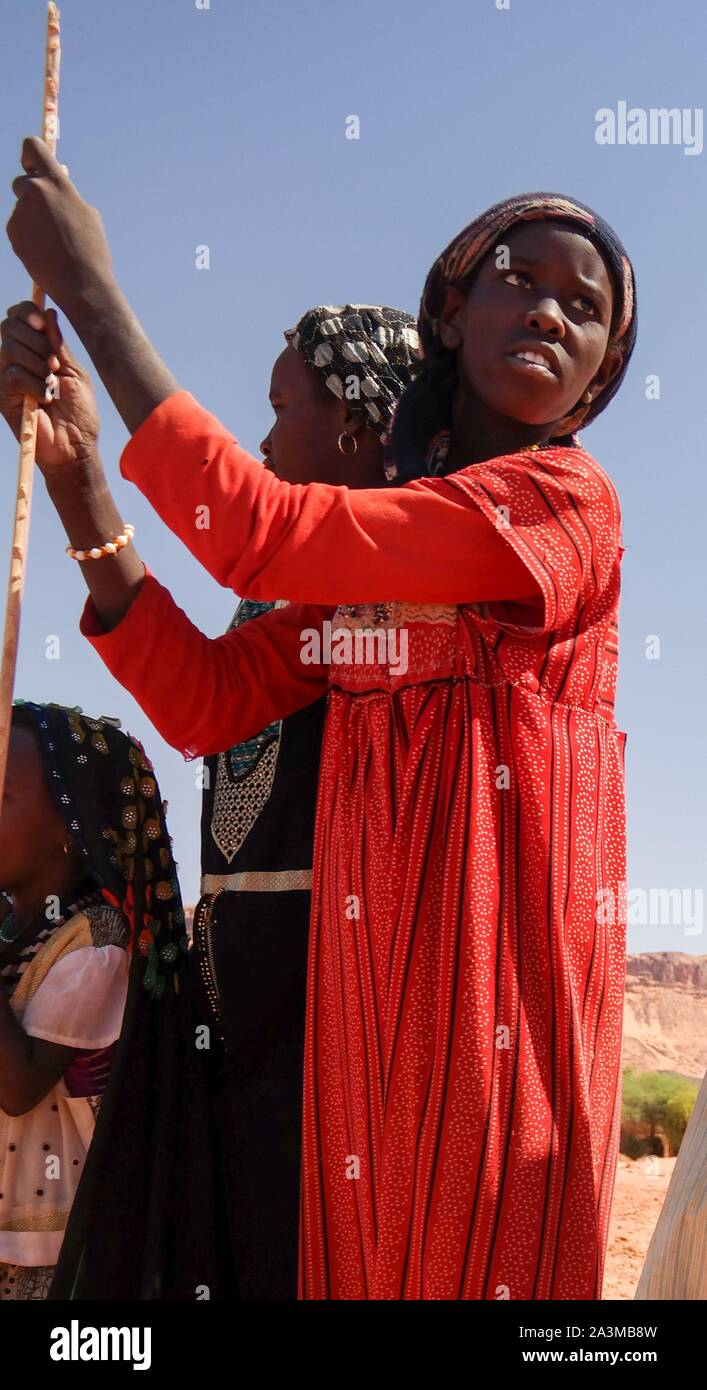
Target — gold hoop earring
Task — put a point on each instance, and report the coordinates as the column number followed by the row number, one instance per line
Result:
column 342, row 450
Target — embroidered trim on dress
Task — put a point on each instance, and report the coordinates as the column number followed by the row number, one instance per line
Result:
column 254, row 881
column 245, row 773
column 375, row 616
column 237, row 804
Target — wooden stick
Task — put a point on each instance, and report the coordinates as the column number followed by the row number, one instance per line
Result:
column 28, row 434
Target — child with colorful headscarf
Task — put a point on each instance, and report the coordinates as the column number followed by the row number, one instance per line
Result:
column 466, row 967
column 64, row 975
column 93, row 1095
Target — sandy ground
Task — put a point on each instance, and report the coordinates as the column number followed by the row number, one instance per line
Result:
column 641, row 1185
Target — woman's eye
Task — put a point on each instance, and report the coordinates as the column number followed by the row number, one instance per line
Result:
column 587, row 305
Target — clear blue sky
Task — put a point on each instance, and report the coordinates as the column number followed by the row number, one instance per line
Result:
column 226, row 127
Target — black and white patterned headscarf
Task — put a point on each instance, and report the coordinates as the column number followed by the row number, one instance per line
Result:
column 365, row 353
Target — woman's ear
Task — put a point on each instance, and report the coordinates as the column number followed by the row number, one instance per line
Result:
column 450, row 318
column 351, row 417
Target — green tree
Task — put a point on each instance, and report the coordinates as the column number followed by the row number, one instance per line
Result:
column 654, row 1102
column 677, row 1113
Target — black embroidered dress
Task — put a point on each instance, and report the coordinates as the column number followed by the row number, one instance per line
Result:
column 250, row 951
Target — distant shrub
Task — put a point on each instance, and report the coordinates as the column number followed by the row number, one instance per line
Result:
column 677, row 1113
column 656, row 1107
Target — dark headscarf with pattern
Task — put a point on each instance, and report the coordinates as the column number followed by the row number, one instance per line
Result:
column 143, row 1224
column 423, row 416
column 104, row 786
column 369, row 354
column 364, row 352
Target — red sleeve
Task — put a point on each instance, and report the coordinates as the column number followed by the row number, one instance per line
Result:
column 204, row 694
column 427, row 542
column 560, row 513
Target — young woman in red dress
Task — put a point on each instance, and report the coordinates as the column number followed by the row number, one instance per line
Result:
column 462, row 1079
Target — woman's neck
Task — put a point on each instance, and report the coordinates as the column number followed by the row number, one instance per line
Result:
column 479, row 433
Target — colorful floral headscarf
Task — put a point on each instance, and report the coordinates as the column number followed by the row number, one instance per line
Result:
column 104, row 785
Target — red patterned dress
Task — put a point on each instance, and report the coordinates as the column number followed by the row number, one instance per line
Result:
column 466, row 969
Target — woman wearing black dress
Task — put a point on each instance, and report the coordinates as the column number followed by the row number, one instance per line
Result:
column 333, row 391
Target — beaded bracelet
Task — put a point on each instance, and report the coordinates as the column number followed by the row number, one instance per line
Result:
column 110, row 547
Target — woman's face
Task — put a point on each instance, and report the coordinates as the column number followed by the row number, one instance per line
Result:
column 302, row 444
column 551, row 296
column 32, row 830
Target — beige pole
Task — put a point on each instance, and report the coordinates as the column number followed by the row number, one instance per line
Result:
column 28, row 434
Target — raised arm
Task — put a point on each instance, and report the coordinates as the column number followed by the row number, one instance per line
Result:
column 204, row 694
column 60, row 240
column 67, row 450
column 516, row 529
column 526, row 528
